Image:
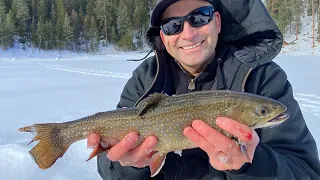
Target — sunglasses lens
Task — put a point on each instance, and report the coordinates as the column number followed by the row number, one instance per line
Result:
column 196, row 18
column 172, row 26
column 200, row 17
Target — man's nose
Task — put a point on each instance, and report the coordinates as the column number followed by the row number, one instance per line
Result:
column 188, row 31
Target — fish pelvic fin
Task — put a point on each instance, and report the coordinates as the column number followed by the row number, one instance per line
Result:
column 97, row 150
column 50, row 147
column 157, row 162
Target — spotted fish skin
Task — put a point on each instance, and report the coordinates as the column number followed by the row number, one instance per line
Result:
column 160, row 115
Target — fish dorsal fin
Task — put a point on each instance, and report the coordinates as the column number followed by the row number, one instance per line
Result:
column 150, row 102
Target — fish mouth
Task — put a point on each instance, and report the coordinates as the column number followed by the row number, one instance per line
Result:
column 278, row 119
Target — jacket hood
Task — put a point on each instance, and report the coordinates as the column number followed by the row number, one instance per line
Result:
column 247, row 28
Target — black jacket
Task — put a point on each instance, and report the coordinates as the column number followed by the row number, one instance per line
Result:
column 247, row 44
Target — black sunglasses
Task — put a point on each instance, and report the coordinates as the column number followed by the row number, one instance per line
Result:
column 196, row 18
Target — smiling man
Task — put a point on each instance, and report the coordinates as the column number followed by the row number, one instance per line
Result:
column 214, row 45
column 193, row 47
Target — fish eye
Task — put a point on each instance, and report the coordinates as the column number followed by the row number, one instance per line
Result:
column 262, row 111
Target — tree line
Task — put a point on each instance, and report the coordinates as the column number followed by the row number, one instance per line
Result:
column 287, row 14
column 83, row 25
column 78, row 25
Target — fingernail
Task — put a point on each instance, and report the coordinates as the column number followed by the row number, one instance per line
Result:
column 187, row 130
column 104, row 145
column 130, row 139
column 223, row 158
column 148, row 151
column 151, row 141
column 196, row 123
column 92, row 146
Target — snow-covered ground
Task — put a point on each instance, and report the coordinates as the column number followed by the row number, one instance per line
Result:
column 57, row 88
column 302, row 45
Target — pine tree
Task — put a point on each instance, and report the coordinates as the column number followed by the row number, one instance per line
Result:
column 67, row 31
column 42, row 10
column 319, row 22
column 76, row 24
column 60, row 18
column 49, row 35
column 141, row 18
column 40, row 32
column 2, row 23
column 124, row 26
column 297, row 9
column 22, row 17
column 309, row 6
column 91, row 28
column 91, row 32
column 53, row 14
column 10, row 29
column 103, row 9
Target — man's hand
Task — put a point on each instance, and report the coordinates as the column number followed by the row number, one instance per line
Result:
column 223, row 152
column 126, row 151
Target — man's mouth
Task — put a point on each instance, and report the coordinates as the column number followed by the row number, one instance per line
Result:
column 192, row 46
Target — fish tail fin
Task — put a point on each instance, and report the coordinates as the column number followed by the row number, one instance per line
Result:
column 50, row 147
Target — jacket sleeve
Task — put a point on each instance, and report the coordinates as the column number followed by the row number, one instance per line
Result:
column 133, row 90
column 287, row 151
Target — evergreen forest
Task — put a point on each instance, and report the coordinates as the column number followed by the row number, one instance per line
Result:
column 84, row 25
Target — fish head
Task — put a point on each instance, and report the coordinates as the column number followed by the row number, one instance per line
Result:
column 260, row 112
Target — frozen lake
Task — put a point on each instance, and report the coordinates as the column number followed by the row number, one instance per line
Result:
column 35, row 90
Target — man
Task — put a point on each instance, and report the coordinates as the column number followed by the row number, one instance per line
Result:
column 210, row 45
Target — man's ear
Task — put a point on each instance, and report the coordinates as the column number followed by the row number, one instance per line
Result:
column 217, row 18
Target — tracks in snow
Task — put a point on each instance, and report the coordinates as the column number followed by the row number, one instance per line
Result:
column 309, row 103
column 87, row 71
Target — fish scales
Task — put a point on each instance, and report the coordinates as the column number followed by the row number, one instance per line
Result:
column 160, row 115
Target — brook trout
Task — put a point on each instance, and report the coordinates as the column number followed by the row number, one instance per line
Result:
column 160, row 115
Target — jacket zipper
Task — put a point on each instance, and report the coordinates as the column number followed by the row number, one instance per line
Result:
column 192, row 85
column 154, row 80
column 245, row 79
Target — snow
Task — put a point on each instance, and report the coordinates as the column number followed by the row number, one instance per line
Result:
column 56, row 87
column 50, row 86
column 43, row 89
column 302, row 45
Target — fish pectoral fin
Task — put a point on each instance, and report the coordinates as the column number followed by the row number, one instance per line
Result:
column 244, row 150
column 96, row 151
column 157, row 162
column 150, row 102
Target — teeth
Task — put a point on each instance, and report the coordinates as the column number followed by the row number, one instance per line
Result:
column 191, row 47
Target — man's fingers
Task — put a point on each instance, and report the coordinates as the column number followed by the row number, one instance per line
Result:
column 93, row 140
column 241, row 131
column 141, row 154
column 200, row 141
column 214, row 137
column 125, row 145
column 144, row 149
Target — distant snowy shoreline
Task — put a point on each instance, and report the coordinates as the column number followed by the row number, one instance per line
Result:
column 16, row 54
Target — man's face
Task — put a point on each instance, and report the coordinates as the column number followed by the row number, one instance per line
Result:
column 193, row 47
